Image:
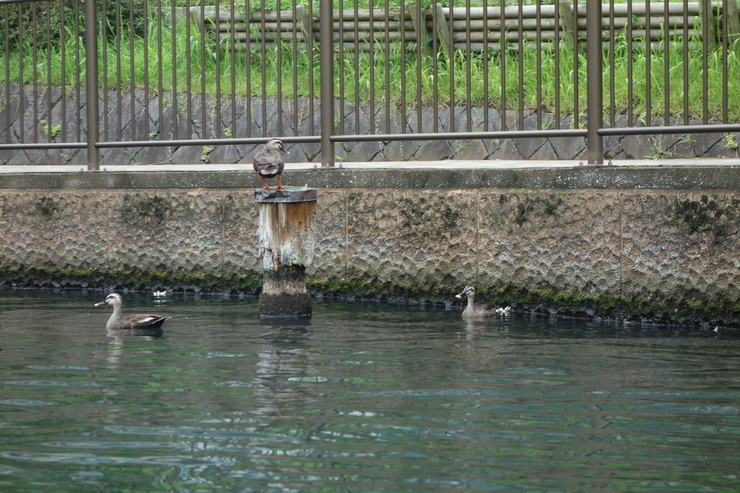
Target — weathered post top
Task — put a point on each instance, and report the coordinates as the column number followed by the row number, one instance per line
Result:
column 285, row 195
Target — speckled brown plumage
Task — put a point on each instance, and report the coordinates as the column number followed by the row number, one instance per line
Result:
column 268, row 163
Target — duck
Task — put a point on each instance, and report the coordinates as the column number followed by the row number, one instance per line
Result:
column 480, row 310
column 268, row 163
column 119, row 322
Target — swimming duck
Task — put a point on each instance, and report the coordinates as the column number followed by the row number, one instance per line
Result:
column 268, row 163
column 480, row 310
column 118, row 321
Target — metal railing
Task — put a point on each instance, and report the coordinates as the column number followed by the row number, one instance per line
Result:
column 226, row 74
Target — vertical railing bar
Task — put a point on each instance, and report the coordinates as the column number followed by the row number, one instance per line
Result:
column 311, row 64
column 387, row 68
column 49, row 92
column 296, row 120
column 725, row 60
column 173, row 23
column 520, row 29
column 263, row 52
column 502, row 69
column 520, row 61
column 91, row 50
column 594, row 74
column 202, row 75
column 648, row 66
column 132, row 69
column 538, row 48
column 217, row 114
column 420, row 48
column 278, row 66
column 327, row 83
column 686, row 116
column 248, row 68
column 7, row 69
column 160, row 73
column 78, row 72
column 468, row 71
column 358, row 99
column 371, row 54
column 63, row 62
column 666, row 66
column 451, row 60
column 612, row 63
column 706, row 32
column 630, row 72
column 576, row 68
column 35, row 71
column 21, row 78
column 557, row 64
column 104, row 61
column 145, row 63
column 119, row 84
column 486, row 54
column 188, row 65
column 232, row 62
column 435, row 69
column 403, row 110
column 341, row 64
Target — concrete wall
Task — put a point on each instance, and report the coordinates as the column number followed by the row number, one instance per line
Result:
column 673, row 242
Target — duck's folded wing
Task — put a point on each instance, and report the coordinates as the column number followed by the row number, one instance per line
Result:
column 146, row 322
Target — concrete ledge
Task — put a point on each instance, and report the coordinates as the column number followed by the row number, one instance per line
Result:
column 722, row 174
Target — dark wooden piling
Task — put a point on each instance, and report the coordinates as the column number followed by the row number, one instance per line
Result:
column 287, row 237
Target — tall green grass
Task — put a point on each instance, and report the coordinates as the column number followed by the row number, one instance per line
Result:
column 289, row 69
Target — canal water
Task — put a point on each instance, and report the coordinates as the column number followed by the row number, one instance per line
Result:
column 363, row 397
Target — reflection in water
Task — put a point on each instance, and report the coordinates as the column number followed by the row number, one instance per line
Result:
column 359, row 398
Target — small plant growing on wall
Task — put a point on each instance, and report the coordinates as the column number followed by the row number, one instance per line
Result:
column 207, row 150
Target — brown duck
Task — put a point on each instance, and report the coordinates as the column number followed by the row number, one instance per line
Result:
column 268, row 163
column 119, row 322
column 480, row 310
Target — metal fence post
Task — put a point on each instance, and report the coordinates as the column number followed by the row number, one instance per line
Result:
column 326, row 71
column 594, row 82
column 91, row 75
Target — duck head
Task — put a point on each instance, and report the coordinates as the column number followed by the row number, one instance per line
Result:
column 113, row 299
column 276, row 144
column 467, row 291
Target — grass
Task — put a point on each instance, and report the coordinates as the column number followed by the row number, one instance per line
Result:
column 399, row 76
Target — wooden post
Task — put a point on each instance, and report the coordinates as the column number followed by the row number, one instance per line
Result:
column 733, row 21
column 419, row 21
column 708, row 24
column 287, row 238
column 442, row 31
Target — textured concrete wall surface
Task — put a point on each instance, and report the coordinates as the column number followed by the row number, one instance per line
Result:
column 678, row 244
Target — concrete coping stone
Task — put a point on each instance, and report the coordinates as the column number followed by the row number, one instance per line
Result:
column 285, row 195
column 691, row 174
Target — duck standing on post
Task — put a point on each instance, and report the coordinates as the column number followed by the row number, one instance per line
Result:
column 118, row 321
column 268, row 163
column 480, row 310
